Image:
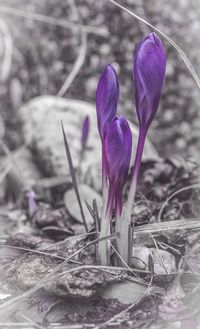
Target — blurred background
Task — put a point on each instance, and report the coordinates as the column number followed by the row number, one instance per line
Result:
column 60, row 47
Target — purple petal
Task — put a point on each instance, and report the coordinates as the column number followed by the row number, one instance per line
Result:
column 118, row 202
column 107, row 96
column 118, row 144
column 85, row 131
column 32, row 205
column 149, row 74
column 110, row 202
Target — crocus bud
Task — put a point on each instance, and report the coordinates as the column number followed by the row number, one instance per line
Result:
column 149, row 74
column 85, row 131
column 118, row 144
column 32, row 205
column 107, row 96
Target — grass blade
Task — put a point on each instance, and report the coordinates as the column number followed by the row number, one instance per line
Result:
column 73, row 176
column 96, row 215
column 174, row 44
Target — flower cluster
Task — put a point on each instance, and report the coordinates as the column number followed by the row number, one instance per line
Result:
column 148, row 74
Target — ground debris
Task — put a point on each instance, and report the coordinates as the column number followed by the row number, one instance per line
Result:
column 28, row 241
column 77, row 279
column 83, row 283
column 100, row 311
column 159, row 180
column 54, row 222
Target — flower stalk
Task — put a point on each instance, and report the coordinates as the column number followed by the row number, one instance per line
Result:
column 149, row 74
column 104, row 174
column 104, row 247
column 118, row 144
column 135, row 172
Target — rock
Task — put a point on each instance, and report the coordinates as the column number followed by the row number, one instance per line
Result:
column 162, row 260
column 140, row 257
column 125, row 292
column 22, row 174
column 27, row 270
column 191, row 262
column 86, row 194
column 41, row 120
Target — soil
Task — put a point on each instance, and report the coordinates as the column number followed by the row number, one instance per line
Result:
column 49, row 273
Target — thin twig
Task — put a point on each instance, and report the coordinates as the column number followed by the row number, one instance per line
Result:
column 8, row 50
column 179, row 50
column 189, row 187
column 25, row 325
column 179, row 224
column 10, row 160
column 25, row 317
column 159, row 255
column 76, row 67
column 33, row 251
column 123, row 261
column 5, row 172
column 105, row 269
column 77, row 237
column 80, row 58
column 101, row 31
column 11, row 303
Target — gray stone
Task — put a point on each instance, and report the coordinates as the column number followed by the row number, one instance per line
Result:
column 126, row 292
column 42, row 118
column 87, row 194
column 163, row 261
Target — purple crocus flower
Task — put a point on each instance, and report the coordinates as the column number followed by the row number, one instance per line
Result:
column 85, row 131
column 107, row 96
column 118, row 145
column 149, row 75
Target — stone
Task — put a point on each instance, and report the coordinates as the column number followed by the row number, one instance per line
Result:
column 72, row 206
column 41, row 119
column 162, row 260
column 126, row 292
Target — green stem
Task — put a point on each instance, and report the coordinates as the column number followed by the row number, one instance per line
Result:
column 122, row 226
column 104, row 248
column 135, row 173
column 104, row 174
